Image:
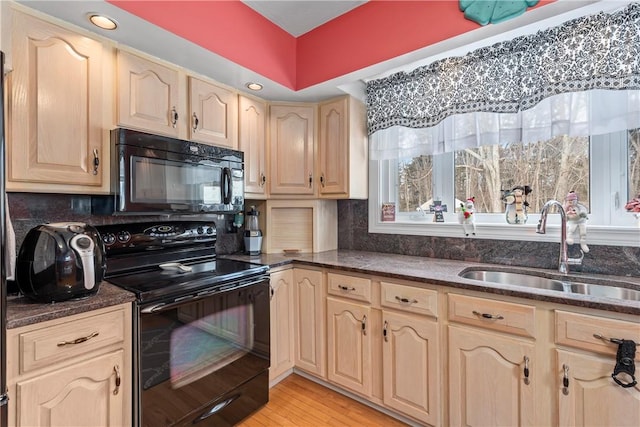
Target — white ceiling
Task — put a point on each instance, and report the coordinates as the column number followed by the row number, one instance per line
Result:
column 299, row 17
column 295, row 16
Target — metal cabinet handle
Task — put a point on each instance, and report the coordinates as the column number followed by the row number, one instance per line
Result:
column 78, row 340
column 271, row 292
column 96, row 161
column 406, row 300
column 488, row 315
column 310, row 180
column 322, row 180
column 611, row 340
column 346, row 288
column 364, row 325
column 195, row 122
column 384, row 331
column 526, row 370
column 116, row 369
column 174, row 117
column 565, row 379
column 263, row 179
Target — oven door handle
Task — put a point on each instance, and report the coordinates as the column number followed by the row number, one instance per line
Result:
column 166, row 306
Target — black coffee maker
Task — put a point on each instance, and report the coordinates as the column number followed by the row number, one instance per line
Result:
column 60, row 261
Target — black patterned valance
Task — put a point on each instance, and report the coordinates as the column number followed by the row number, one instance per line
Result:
column 600, row 51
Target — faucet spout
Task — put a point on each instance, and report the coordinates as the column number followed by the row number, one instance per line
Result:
column 563, row 259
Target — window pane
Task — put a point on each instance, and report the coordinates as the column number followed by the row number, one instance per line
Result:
column 634, row 163
column 551, row 168
column 415, row 183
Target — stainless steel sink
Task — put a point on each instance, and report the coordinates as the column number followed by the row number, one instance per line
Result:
column 574, row 285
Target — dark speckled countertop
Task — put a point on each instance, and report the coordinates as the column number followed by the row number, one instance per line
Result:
column 22, row 311
column 445, row 272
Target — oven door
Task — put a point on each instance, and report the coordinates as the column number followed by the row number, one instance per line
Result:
column 198, row 356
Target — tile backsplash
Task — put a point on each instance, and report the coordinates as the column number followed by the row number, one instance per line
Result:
column 353, row 234
column 28, row 210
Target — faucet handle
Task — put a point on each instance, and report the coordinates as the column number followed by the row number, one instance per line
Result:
column 576, row 261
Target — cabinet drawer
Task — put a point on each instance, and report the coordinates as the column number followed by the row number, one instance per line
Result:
column 352, row 287
column 408, row 298
column 577, row 330
column 518, row 319
column 48, row 345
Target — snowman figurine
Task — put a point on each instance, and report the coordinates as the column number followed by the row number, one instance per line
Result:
column 576, row 220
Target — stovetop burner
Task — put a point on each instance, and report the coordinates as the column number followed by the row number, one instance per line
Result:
column 135, row 251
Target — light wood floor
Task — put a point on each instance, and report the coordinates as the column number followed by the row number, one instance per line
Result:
column 297, row 401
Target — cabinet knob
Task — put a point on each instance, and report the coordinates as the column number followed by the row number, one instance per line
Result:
column 526, row 370
column 116, row 369
column 195, row 122
column 263, row 179
column 174, row 117
column 565, row 379
column 322, row 180
column 364, row 325
column 96, row 161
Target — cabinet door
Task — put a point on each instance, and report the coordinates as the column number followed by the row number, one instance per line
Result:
column 89, row 393
column 291, row 152
column 333, row 149
column 410, row 366
column 282, row 330
column 56, row 107
column 487, row 385
column 309, row 295
column 252, row 122
column 148, row 96
column 349, row 345
column 593, row 398
column 213, row 114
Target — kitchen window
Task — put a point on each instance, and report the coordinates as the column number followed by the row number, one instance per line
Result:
column 604, row 171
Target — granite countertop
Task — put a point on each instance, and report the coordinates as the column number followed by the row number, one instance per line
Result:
column 21, row 311
column 445, row 272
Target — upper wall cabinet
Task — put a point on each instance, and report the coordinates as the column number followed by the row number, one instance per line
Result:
column 149, row 97
column 291, row 150
column 58, row 103
column 213, row 114
column 342, row 149
column 252, row 128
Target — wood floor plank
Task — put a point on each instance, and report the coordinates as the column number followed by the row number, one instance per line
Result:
column 297, row 401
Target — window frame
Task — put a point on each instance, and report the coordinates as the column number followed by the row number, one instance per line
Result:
column 608, row 188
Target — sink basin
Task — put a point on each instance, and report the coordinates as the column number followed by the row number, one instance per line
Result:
column 573, row 285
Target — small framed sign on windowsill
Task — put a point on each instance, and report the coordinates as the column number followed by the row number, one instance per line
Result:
column 388, row 212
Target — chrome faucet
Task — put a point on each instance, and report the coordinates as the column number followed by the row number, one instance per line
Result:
column 563, row 260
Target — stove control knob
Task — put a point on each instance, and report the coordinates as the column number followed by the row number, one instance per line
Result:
column 109, row 239
column 124, row 236
column 200, row 230
column 210, row 230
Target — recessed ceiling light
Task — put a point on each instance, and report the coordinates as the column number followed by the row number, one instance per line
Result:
column 254, row 86
column 102, row 21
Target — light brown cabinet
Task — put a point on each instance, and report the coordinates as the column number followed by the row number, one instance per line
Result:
column 282, row 324
column 585, row 360
column 148, row 96
column 349, row 353
column 309, row 307
column 252, row 129
column 213, row 114
column 488, row 369
column 59, row 91
column 411, row 351
column 342, row 149
column 72, row 371
column 292, row 150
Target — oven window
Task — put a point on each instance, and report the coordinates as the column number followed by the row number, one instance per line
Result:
column 166, row 181
column 185, row 344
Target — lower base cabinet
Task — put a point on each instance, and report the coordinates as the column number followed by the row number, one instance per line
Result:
column 487, row 384
column 410, row 366
column 349, row 345
column 282, row 328
column 85, row 394
column 73, row 371
column 590, row 397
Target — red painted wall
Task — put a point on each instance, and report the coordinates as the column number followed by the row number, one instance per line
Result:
column 374, row 32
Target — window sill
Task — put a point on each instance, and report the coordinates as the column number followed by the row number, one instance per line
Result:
column 596, row 235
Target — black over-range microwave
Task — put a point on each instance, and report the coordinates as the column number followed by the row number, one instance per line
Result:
column 154, row 174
